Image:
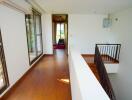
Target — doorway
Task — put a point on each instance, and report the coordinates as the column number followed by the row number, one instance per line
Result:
column 60, row 32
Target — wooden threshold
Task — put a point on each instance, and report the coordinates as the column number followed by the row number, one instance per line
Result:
column 89, row 55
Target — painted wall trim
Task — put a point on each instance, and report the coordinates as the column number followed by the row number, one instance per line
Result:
column 36, row 6
column 16, row 6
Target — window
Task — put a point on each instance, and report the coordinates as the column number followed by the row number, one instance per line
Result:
column 4, row 83
column 60, row 32
column 34, row 35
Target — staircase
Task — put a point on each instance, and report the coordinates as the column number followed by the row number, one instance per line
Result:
column 104, row 53
column 90, row 61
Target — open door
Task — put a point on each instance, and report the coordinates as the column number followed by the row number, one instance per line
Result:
column 60, row 32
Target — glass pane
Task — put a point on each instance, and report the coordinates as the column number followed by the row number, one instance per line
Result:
column 58, row 27
column 2, row 78
column 62, row 27
column 57, row 38
column 62, row 31
column 62, row 36
column 38, row 34
column 39, row 45
column 37, row 24
column 31, row 38
column 33, row 52
column 58, row 32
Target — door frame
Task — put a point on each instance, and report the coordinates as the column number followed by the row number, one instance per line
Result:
column 53, row 32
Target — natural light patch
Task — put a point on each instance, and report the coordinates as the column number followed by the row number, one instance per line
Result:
column 66, row 81
column 59, row 32
column 1, row 83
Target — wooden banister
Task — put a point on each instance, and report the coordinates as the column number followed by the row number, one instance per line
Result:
column 104, row 79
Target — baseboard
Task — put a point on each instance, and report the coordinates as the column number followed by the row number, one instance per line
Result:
column 48, row 54
column 88, row 55
column 21, row 79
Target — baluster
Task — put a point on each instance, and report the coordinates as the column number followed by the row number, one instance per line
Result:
column 111, row 51
column 107, row 53
column 119, row 51
column 103, row 52
column 100, row 49
column 116, row 52
column 113, row 48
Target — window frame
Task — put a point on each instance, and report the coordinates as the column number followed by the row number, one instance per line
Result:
column 3, row 61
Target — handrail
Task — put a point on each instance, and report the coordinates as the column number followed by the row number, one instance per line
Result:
column 108, row 44
column 104, row 79
column 110, row 51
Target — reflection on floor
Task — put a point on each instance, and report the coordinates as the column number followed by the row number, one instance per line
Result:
column 49, row 80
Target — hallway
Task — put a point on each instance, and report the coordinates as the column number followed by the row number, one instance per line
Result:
column 46, row 81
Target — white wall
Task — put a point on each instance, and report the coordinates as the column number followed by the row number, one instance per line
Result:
column 112, row 78
column 122, row 28
column 84, row 85
column 47, row 33
column 86, row 30
column 112, row 67
column 83, row 32
column 12, row 24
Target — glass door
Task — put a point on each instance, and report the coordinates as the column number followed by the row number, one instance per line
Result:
column 4, row 83
column 31, row 38
column 34, row 35
column 38, row 30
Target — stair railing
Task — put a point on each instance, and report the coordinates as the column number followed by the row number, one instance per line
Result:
column 109, row 51
column 104, row 79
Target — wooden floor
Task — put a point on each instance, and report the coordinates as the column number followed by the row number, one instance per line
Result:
column 105, row 58
column 46, row 81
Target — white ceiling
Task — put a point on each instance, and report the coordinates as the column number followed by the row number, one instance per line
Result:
column 84, row 6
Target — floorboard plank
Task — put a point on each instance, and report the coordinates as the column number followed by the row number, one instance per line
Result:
column 45, row 82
